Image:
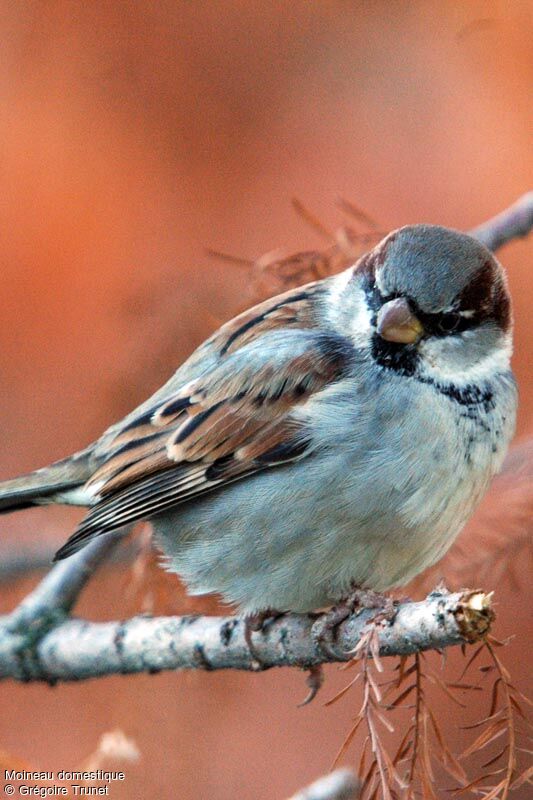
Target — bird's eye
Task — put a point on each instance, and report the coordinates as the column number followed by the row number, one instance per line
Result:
column 448, row 323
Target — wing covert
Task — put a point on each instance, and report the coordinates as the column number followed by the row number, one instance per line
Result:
column 232, row 420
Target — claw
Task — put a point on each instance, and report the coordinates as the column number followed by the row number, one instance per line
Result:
column 315, row 679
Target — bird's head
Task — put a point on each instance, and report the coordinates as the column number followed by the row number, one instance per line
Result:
column 433, row 301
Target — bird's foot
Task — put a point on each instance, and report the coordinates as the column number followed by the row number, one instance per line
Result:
column 325, row 629
column 257, row 623
column 382, row 602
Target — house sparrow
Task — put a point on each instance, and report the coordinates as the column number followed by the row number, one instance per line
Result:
column 337, row 435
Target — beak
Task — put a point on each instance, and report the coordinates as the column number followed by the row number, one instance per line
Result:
column 397, row 323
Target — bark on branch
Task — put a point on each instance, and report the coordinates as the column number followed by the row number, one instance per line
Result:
column 513, row 223
column 59, row 649
column 339, row 785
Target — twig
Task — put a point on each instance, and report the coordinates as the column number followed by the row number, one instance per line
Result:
column 513, row 223
column 510, row 726
column 417, row 718
column 73, row 649
column 339, row 785
column 60, row 589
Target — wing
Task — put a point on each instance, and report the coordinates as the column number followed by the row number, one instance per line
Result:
column 238, row 416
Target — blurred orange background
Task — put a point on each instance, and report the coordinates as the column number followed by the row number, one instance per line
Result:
column 133, row 137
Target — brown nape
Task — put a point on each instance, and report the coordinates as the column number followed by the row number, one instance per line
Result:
column 487, row 295
column 366, row 265
column 371, row 261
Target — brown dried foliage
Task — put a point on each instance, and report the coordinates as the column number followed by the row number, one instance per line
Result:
column 418, row 764
column 278, row 271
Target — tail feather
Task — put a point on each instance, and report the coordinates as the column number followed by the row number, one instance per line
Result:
column 43, row 485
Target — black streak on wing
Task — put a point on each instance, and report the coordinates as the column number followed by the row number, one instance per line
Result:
column 260, row 318
column 190, row 426
column 287, row 451
column 175, row 406
column 135, row 443
column 143, row 419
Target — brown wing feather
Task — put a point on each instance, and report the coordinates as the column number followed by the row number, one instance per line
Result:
column 294, row 308
column 231, row 424
column 220, row 427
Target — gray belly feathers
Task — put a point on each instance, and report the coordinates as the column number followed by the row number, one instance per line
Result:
column 378, row 501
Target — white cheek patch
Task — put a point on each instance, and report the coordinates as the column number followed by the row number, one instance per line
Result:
column 361, row 322
column 445, row 364
column 347, row 308
column 379, row 282
column 338, row 287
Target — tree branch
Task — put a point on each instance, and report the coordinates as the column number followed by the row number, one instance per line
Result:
column 60, row 589
column 339, row 785
column 66, row 650
column 47, row 607
column 513, row 223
